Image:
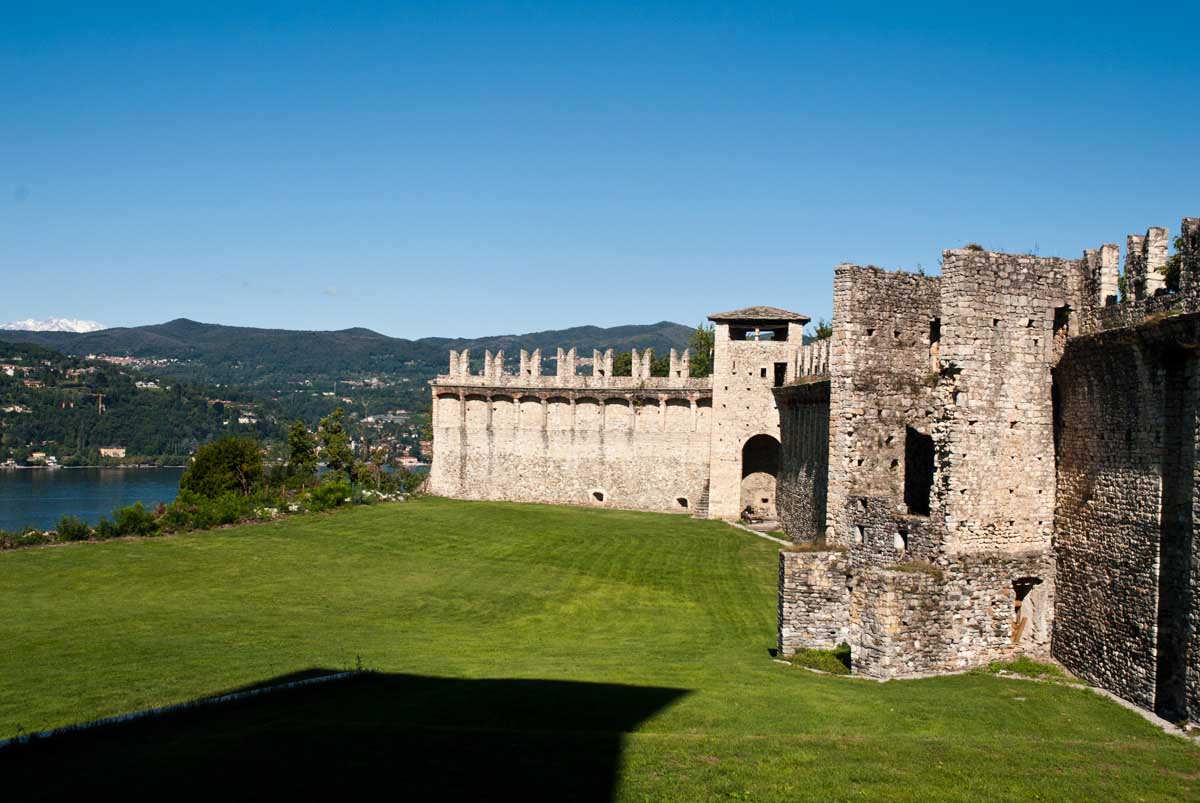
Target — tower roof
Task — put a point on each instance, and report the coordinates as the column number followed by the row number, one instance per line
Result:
column 760, row 315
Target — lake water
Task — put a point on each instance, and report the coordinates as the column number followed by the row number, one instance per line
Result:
column 40, row 497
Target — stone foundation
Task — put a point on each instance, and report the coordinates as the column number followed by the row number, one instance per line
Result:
column 814, row 600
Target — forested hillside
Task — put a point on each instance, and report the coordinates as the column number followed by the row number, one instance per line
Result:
column 243, row 355
column 69, row 408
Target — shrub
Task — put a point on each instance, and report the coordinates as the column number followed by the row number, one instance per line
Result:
column 228, row 465
column 193, row 511
column 105, row 529
column 329, row 495
column 72, row 528
column 27, row 537
column 134, row 520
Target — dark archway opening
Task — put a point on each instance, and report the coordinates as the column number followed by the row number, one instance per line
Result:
column 760, row 467
column 760, row 454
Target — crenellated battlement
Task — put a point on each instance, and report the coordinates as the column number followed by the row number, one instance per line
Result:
column 1145, row 293
column 529, row 374
column 812, row 359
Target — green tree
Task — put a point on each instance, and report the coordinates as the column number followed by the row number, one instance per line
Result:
column 622, row 364
column 1174, row 267
column 701, row 345
column 302, row 452
column 821, row 330
column 335, row 443
column 231, row 464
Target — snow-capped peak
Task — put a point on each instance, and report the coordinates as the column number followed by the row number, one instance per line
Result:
column 54, row 325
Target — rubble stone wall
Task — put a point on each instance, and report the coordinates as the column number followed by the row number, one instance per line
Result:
column 1005, row 318
column 814, row 600
column 882, row 375
column 804, row 463
column 913, row 620
column 1128, row 616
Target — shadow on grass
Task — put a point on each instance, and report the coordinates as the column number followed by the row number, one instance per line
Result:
column 407, row 736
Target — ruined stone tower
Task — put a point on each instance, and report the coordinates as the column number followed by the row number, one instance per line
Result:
column 1007, row 464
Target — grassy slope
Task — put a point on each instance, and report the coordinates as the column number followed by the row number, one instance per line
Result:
column 475, row 590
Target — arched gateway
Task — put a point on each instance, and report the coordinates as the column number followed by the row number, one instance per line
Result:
column 760, row 468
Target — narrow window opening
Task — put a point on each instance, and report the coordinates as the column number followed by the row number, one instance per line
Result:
column 935, row 342
column 918, row 471
column 1062, row 328
column 901, row 539
column 1023, row 608
column 859, row 533
column 762, row 373
column 780, row 373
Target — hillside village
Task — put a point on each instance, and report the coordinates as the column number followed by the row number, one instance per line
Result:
column 57, row 410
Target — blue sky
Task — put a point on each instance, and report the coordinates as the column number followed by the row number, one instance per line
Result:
column 481, row 168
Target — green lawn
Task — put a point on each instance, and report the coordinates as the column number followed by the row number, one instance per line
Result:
column 565, row 653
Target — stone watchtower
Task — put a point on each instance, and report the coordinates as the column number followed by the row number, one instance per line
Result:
column 755, row 350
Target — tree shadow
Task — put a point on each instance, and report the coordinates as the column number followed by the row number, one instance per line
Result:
column 409, row 736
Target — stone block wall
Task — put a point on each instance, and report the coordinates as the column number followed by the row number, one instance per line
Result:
column 1004, row 318
column 804, row 460
column 895, row 624
column 950, row 616
column 743, row 407
column 882, row 375
column 814, row 600
column 617, row 447
column 1128, row 617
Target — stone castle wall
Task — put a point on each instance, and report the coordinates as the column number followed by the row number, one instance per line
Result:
column 1022, row 355
column 804, row 458
column 744, row 373
column 814, row 600
column 915, row 621
column 882, row 374
column 636, row 442
column 1129, row 613
column 1005, row 318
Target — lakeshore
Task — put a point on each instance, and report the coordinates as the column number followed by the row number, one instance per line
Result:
column 40, row 497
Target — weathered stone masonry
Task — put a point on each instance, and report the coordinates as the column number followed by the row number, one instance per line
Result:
column 637, row 441
column 996, row 461
column 700, row 445
column 1021, row 479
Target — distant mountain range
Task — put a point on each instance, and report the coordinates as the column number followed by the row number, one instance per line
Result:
column 53, row 325
column 243, row 355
